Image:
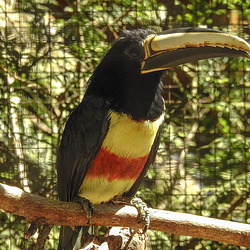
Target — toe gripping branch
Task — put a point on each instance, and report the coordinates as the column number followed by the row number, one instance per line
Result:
column 143, row 212
column 87, row 206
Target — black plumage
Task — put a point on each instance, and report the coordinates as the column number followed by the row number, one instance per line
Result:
column 128, row 82
column 116, row 85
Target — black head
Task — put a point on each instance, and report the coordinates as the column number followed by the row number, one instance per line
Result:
column 119, row 80
column 129, row 75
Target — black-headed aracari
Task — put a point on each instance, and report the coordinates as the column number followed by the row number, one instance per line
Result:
column 112, row 136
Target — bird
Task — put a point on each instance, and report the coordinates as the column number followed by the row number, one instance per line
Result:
column 111, row 137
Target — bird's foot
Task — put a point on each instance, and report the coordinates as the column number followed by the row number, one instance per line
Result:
column 143, row 212
column 120, row 200
column 87, row 206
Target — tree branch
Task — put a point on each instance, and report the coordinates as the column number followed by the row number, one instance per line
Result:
column 33, row 207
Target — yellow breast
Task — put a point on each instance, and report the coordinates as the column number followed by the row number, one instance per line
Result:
column 129, row 138
column 120, row 159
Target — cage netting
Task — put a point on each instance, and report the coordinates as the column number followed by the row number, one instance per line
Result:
column 49, row 49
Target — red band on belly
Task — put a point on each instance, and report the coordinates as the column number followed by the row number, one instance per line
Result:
column 111, row 166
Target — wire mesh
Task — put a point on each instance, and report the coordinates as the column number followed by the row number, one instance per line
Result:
column 49, row 49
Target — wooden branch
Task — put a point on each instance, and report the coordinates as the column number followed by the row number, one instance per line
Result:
column 33, row 207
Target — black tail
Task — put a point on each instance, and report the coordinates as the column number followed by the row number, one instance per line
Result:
column 70, row 239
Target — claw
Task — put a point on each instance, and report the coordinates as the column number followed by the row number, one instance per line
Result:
column 143, row 211
column 87, row 206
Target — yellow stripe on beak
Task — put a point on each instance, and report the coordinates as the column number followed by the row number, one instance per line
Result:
column 175, row 47
column 169, row 42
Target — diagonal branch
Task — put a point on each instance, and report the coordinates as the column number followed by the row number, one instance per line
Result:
column 33, row 207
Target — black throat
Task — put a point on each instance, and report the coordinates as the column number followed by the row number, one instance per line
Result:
column 141, row 97
column 136, row 95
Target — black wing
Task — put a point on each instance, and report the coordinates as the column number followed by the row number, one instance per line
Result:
column 151, row 159
column 81, row 141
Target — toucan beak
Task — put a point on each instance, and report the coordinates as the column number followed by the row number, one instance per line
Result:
column 174, row 47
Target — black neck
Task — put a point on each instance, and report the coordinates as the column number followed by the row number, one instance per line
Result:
column 142, row 98
column 133, row 94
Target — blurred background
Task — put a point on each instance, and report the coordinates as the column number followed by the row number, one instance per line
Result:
column 49, row 49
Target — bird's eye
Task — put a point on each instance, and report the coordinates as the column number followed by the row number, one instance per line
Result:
column 134, row 51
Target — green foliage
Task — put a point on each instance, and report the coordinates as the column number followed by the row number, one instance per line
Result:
column 48, row 51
